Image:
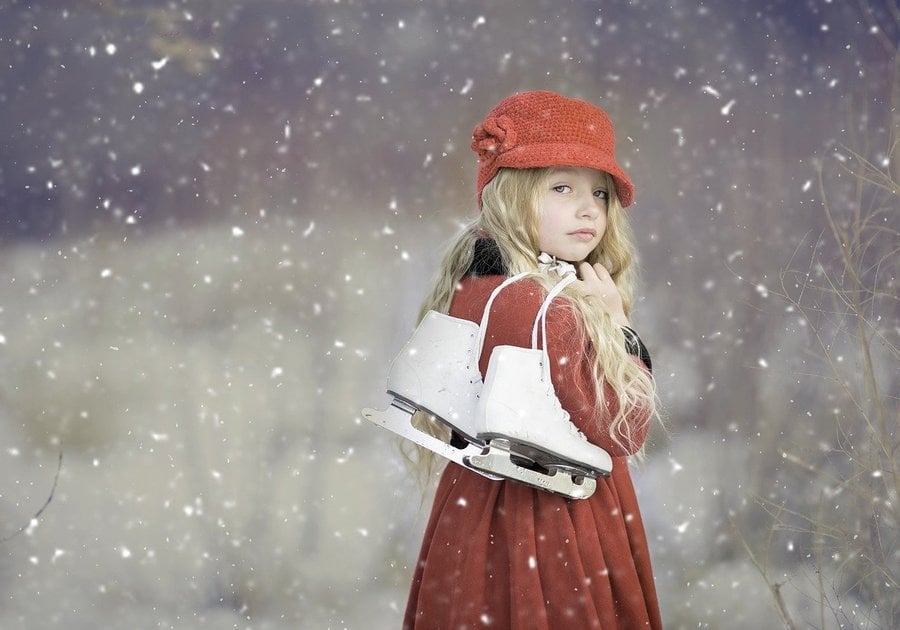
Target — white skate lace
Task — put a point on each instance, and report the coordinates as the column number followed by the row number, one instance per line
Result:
column 550, row 391
column 551, row 394
column 548, row 263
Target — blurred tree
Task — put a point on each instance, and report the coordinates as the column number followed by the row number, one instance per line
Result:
column 844, row 470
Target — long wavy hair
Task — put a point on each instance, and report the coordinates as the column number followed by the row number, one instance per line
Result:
column 511, row 215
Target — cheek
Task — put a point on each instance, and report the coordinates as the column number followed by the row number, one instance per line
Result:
column 547, row 227
column 542, row 235
column 604, row 220
column 602, row 226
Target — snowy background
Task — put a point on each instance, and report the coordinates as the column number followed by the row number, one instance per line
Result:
column 217, row 219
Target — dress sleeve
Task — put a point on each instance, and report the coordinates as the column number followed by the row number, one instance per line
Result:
column 510, row 323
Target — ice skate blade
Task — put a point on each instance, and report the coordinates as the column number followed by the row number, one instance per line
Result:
column 405, row 403
column 600, row 467
column 497, row 460
column 396, row 419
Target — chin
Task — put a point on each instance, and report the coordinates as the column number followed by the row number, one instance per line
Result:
column 579, row 256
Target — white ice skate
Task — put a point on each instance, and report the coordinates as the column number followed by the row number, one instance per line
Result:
column 529, row 436
column 531, row 440
column 437, row 372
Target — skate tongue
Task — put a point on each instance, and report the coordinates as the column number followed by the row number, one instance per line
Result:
column 548, row 263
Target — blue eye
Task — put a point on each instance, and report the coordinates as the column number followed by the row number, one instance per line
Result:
column 601, row 194
column 562, row 188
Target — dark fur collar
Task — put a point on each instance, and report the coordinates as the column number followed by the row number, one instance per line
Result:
column 486, row 259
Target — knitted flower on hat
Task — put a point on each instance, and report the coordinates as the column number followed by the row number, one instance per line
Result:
column 545, row 129
column 494, row 136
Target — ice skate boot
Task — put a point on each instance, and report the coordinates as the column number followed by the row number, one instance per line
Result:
column 530, row 437
column 437, row 373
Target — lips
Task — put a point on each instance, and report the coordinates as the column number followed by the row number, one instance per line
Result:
column 584, row 234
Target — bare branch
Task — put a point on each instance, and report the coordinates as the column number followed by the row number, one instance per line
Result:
column 43, row 507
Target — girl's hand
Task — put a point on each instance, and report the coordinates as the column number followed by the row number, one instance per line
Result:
column 597, row 282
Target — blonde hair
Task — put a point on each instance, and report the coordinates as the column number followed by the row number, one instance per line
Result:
column 511, row 215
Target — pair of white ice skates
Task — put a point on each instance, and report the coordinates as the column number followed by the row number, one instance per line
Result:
column 513, row 424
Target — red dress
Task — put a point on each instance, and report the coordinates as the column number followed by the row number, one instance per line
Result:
column 500, row 554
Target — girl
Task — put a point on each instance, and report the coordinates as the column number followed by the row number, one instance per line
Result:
column 503, row 554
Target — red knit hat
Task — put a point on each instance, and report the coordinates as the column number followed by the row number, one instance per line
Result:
column 540, row 129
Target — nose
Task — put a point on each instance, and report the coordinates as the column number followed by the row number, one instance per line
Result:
column 588, row 206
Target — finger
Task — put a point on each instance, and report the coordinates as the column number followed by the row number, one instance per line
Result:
column 604, row 274
column 587, row 272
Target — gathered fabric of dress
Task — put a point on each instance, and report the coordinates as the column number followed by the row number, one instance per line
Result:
column 501, row 554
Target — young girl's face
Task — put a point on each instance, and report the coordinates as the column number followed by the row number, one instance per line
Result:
column 572, row 205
